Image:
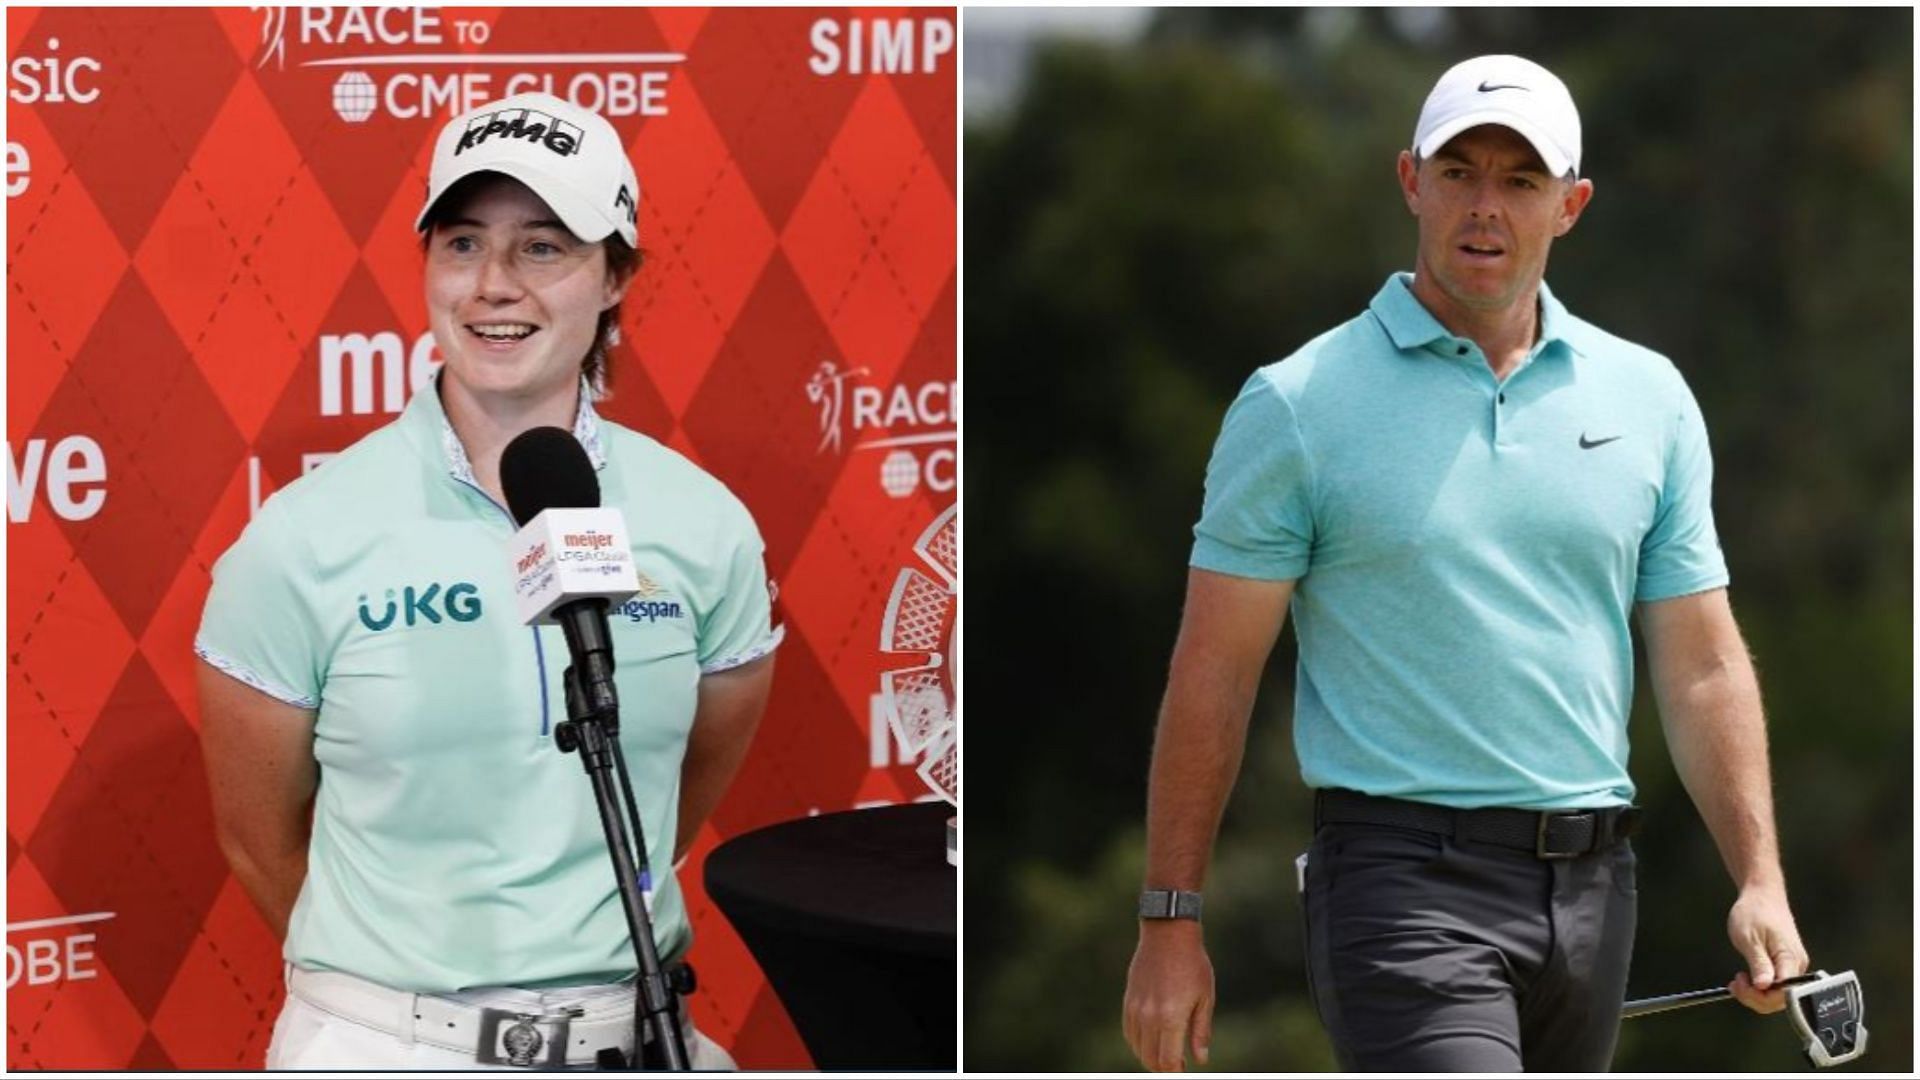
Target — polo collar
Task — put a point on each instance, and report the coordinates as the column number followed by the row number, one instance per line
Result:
column 1411, row 326
column 428, row 417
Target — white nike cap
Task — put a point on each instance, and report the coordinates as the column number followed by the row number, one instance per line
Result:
column 570, row 157
column 1511, row 91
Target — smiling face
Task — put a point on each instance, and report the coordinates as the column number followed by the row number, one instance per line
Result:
column 514, row 299
column 1488, row 212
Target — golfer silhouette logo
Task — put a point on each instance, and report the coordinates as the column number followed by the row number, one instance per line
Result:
column 828, row 389
column 273, row 36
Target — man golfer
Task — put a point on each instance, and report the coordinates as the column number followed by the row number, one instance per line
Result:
column 1462, row 495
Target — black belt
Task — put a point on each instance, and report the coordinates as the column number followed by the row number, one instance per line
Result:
column 1548, row 834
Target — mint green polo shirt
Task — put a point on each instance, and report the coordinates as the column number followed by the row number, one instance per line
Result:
column 454, row 845
column 1466, row 552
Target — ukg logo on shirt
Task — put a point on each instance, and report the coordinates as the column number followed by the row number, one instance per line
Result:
column 461, row 603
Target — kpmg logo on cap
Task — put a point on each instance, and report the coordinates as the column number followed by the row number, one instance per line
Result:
column 530, row 125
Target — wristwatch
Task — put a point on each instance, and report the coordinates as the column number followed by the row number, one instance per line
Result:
column 1170, row 904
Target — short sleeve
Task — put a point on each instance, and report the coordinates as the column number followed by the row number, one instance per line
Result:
column 737, row 630
column 258, row 625
column 1681, row 552
column 1257, row 520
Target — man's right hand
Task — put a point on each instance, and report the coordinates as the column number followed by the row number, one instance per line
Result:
column 1169, row 1006
column 1226, row 633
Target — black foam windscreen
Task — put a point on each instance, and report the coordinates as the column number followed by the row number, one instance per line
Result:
column 545, row 467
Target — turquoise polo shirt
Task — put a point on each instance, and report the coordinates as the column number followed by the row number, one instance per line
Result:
column 1466, row 552
column 454, row 845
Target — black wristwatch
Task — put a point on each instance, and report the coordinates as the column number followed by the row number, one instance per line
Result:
column 1170, row 904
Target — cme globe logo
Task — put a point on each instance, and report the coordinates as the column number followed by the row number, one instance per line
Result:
column 900, row 474
column 354, row 97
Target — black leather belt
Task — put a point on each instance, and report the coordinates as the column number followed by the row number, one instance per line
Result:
column 1548, row 834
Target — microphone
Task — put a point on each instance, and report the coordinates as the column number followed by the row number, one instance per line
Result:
column 571, row 558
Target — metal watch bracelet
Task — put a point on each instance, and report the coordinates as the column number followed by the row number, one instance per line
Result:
column 1169, row 904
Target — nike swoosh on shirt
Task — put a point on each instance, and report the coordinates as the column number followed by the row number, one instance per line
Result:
column 1586, row 444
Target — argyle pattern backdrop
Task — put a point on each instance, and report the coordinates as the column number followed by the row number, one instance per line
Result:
column 213, row 283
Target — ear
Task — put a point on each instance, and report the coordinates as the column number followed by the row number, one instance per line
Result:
column 614, row 289
column 1409, row 181
column 1573, row 203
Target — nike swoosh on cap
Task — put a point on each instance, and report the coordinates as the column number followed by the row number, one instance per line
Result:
column 1485, row 89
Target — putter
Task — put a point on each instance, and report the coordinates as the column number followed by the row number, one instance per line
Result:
column 1828, row 1011
column 1669, row 1002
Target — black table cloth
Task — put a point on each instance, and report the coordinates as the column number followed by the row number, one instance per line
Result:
column 851, row 916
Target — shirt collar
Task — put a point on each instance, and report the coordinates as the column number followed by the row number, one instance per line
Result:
column 432, row 417
column 1411, row 326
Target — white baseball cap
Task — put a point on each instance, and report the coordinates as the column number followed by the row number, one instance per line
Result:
column 570, row 157
column 1511, row 91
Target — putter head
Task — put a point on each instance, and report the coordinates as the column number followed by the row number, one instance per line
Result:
column 1830, row 1013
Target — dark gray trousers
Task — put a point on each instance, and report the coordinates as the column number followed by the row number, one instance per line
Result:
column 1427, row 954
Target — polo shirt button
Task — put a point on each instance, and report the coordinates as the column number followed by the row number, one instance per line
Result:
column 1503, row 399
column 1461, row 351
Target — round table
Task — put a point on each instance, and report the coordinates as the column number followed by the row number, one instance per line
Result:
column 851, row 916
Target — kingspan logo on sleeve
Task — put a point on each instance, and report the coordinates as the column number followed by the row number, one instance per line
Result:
column 530, row 124
column 459, row 602
column 646, row 605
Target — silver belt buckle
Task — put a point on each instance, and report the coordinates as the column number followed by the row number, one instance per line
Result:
column 523, row 1038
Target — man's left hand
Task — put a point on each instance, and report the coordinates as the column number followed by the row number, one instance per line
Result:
column 1761, row 928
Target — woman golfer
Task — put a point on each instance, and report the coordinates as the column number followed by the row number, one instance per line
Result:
column 378, row 724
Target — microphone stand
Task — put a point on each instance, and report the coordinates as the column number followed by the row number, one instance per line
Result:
column 593, row 728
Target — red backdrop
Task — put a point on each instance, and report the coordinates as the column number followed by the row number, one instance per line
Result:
column 213, row 282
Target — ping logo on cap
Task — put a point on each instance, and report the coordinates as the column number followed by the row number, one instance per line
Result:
column 530, row 124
